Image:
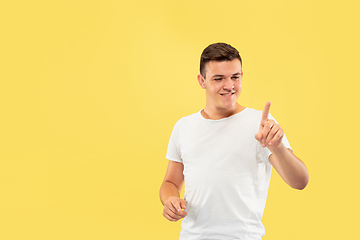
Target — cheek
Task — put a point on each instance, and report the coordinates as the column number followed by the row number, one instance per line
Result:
column 214, row 87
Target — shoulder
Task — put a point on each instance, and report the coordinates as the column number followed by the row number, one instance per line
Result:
column 252, row 114
column 252, row 111
column 189, row 119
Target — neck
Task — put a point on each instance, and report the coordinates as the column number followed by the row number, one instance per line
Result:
column 219, row 113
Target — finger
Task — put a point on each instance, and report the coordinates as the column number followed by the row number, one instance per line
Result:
column 176, row 204
column 175, row 214
column 258, row 136
column 183, row 214
column 265, row 113
column 170, row 209
column 170, row 218
column 183, row 204
column 268, row 125
column 274, row 129
column 176, row 208
column 277, row 139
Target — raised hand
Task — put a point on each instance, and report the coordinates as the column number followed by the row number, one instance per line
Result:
column 173, row 209
column 270, row 133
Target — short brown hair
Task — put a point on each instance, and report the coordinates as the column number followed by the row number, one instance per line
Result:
column 217, row 52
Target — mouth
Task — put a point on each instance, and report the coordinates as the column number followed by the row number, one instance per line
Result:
column 227, row 94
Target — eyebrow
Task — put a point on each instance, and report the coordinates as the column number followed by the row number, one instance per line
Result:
column 219, row 75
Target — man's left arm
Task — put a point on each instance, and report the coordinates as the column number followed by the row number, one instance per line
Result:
column 291, row 169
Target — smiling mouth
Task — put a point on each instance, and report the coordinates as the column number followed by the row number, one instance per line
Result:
column 227, row 94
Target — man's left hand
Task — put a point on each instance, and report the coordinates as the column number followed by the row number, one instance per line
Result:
column 270, row 133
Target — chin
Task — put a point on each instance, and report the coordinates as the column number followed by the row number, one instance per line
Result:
column 229, row 106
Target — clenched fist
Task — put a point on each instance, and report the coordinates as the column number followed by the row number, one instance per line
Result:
column 173, row 209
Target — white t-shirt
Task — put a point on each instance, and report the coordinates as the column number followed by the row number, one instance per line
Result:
column 227, row 175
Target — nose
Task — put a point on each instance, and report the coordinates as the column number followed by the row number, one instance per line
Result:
column 228, row 84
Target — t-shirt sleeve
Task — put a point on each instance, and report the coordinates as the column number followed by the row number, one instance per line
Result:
column 264, row 156
column 173, row 150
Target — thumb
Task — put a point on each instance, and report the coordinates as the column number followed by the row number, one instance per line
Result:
column 182, row 203
column 258, row 136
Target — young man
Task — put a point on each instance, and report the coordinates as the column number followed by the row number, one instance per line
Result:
column 225, row 154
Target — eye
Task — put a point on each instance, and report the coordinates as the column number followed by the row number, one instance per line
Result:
column 217, row 79
column 235, row 77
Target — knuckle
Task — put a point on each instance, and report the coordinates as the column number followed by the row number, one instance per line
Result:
column 167, row 205
column 165, row 213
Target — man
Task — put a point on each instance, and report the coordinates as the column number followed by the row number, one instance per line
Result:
column 224, row 154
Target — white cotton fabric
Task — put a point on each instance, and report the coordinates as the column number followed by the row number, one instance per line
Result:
column 227, row 175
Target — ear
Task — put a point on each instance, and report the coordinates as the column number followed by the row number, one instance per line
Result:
column 201, row 81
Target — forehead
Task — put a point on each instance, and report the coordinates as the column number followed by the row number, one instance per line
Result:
column 223, row 67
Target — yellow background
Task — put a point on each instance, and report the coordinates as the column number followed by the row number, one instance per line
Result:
column 90, row 91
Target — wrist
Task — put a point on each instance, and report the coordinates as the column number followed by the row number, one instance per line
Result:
column 277, row 150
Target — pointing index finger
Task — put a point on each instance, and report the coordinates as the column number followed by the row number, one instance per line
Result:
column 265, row 113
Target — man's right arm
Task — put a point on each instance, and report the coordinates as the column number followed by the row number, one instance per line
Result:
column 170, row 192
